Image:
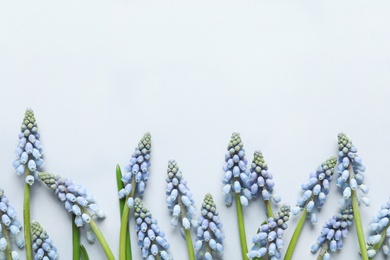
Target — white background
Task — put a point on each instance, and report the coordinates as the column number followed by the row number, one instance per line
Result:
column 288, row 76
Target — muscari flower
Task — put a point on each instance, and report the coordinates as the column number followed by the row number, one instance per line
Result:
column 29, row 150
column 236, row 178
column 316, row 189
column 209, row 237
column 350, row 169
column 260, row 179
column 42, row 244
column 379, row 229
column 269, row 237
column 179, row 198
column 9, row 228
column 75, row 197
column 151, row 239
column 333, row 232
column 137, row 172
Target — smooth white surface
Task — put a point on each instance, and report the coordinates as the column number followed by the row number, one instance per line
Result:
column 288, row 76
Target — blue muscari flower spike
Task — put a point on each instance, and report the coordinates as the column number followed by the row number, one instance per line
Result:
column 42, row 244
column 379, row 231
column 9, row 228
column 236, row 179
column 260, row 179
column 316, row 189
column 333, row 232
column 151, row 239
column 208, row 243
column 137, row 172
column 269, row 236
column 179, row 198
column 29, row 150
column 75, row 197
column 348, row 180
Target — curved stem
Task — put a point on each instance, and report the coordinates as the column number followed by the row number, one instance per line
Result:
column 356, row 216
column 241, row 227
column 26, row 218
column 75, row 239
column 122, row 205
column 296, row 234
column 99, row 236
column 268, row 206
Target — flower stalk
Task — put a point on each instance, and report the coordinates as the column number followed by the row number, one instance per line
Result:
column 241, row 228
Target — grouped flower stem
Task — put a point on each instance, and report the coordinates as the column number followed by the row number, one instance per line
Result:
column 358, row 220
column 295, row 236
column 26, row 217
column 125, row 224
column 6, row 236
column 268, row 206
column 322, row 252
column 122, row 206
column 187, row 233
column 241, row 227
column 75, row 239
column 100, row 237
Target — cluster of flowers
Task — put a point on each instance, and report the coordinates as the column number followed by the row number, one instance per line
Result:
column 269, row 236
column 209, row 237
column 379, row 231
column 42, row 244
column 75, row 197
column 29, row 150
column 151, row 239
column 9, row 228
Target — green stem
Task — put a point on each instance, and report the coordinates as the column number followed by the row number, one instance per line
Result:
column 296, row 234
column 323, row 251
column 6, row 236
column 241, row 227
column 187, row 233
column 26, row 218
column 268, row 206
column 83, row 253
column 99, row 236
column 121, row 207
column 383, row 237
column 125, row 223
column 358, row 220
column 76, row 239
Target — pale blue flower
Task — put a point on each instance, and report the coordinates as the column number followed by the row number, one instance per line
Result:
column 208, row 243
column 179, row 197
column 151, row 239
column 316, row 189
column 269, row 238
column 236, row 178
column 29, row 150
column 42, row 245
column 351, row 170
column 137, row 172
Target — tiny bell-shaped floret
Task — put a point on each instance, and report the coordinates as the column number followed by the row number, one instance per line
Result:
column 151, row 239
column 29, row 150
column 260, row 179
column 334, row 231
column 315, row 189
column 236, row 172
column 270, row 234
column 179, row 197
column 350, row 169
column 209, row 239
column 42, row 245
column 137, row 171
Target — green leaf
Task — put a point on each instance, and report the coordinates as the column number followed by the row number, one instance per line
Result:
column 83, row 253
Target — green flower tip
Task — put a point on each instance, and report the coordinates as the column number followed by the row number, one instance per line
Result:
column 208, row 202
column 329, row 165
column 37, row 231
column 173, row 169
column 283, row 213
column 235, row 143
column 29, row 124
column 48, row 179
column 344, row 142
column 145, row 144
column 140, row 210
column 258, row 162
